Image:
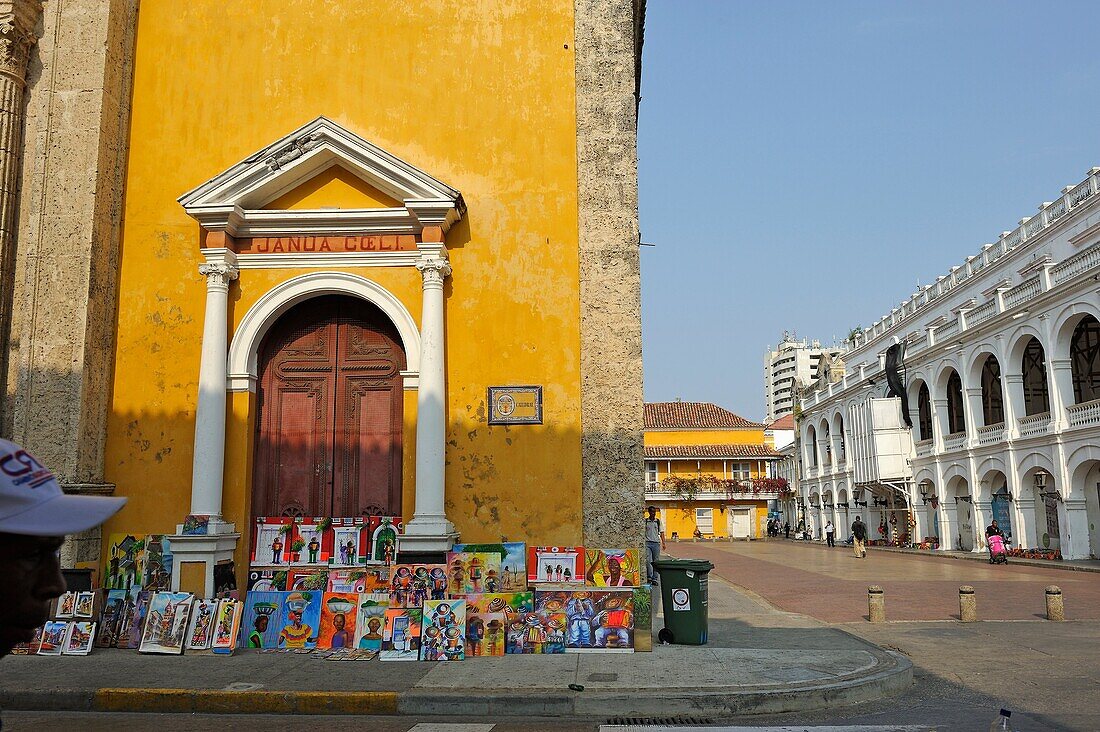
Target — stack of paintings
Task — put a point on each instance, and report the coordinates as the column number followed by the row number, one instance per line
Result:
column 595, row 620
column 443, row 637
column 166, row 623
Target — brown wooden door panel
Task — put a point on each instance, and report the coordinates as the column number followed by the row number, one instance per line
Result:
column 330, row 422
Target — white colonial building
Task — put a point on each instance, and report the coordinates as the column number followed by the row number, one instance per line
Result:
column 1002, row 376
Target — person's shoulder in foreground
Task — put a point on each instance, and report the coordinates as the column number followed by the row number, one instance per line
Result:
column 35, row 516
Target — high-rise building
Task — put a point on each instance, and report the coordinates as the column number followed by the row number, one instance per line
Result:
column 788, row 364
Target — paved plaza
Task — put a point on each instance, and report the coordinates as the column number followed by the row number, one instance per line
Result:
column 831, row 584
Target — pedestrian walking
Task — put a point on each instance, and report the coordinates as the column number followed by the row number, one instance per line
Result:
column 786, row 529
column 859, row 535
column 654, row 543
column 830, row 532
column 35, row 516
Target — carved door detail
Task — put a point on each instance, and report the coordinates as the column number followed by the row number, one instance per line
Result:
column 329, row 424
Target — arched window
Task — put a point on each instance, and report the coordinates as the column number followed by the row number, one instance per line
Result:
column 1084, row 355
column 1034, row 369
column 840, row 438
column 924, row 412
column 828, row 444
column 993, row 404
column 811, row 438
column 956, row 421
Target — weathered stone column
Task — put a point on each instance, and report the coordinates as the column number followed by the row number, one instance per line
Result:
column 429, row 530
column 17, row 24
column 209, row 460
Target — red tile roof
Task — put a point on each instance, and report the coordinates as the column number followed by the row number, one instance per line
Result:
column 786, row 422
column 653, row 452
column 693, row 415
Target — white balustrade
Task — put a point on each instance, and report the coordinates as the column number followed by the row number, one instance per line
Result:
column 1034, row 424
column 1077, row 264
column 956, row 441
column 1085, row 414
column 981, row 313
column 1021, row 293
column 991, row 434
column 924, row 447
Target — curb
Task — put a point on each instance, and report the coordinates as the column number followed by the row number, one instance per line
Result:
column 892, row 674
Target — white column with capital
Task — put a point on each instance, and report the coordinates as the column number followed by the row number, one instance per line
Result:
column 429, row 530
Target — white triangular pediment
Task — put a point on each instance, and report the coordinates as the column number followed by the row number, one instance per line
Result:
column 233, row 201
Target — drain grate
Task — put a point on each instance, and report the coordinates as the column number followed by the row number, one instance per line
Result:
column 602, row 677
column 659, row 720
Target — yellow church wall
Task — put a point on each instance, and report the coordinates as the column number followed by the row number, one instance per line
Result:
column 704, row 437
column 481, row 97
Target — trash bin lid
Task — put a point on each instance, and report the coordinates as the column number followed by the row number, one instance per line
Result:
column 689, row 565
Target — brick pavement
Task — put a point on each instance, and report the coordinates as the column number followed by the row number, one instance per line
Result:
column 831, row 584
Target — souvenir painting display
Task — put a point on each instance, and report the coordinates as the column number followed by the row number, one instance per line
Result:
column 338, row 617
column 485, row 633
column 259, row 628
column 166, row 623
column 473, row 572
column 362, row 579
column 110, row 619
column 539, row 631
column 595, row 619
column 157, row 572
column 513, row 563
column 227, row 624
column 196, row 525
column 78, row 638
column 307, row 578
column 266, row 580
column 66, row 605
column 443, row 637
column 511, row 604
column 312, row 541
column 412, row 584
column 561, row 564
column 271, row 541
column 371, row 621
column 300, row 619
column 85, row 605
column 129, row 634
column 643, row 619
column 383, row 532
column 612, row 568
column 401, row 634
column 201, row 633
column 53, row 638
column 125, row 561
column 31, row 646
column 349, row 545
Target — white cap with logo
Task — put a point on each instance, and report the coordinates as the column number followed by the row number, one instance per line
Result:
column 33, row 504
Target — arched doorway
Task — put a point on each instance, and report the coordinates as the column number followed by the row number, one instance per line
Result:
column 330, row 416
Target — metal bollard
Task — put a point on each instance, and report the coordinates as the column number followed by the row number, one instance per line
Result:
column 968, row 604
column 876, row 604
column 1055, row 610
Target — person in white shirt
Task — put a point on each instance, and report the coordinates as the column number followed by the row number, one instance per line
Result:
column 830, row 533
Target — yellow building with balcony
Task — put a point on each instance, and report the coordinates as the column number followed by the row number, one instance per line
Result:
column 708, row 471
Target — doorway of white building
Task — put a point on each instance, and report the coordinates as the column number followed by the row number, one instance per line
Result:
column 740, row 523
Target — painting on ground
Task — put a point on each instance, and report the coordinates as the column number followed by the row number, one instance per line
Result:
column 266, row 580
column 338, row 615
column 66, row 605
column 201, row 633
column 312, row 542
column 53, row 638
column 401, row 634
column 541, row 630
column 443, row 637
column 307, row 578
column 271, row 539
column 349, row 548
column 85, row 605
column 166, row 623
column 412, row 584
column 485, row 634
column 259, row 627
column 125, row 561
column 511, row 604
column 594, row 619
column 157, row 571
column 513, row 563
column 135, row 622
column 227, row 625
column 555, row 564
column 371, row 621
column 78, row 638
column 473, row 572
column 612, row 568
column 383, row 532
column 110, row 619
column 643, row 619
column 370, row 580
column 300, row 619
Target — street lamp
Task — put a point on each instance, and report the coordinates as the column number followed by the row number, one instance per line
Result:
column 1041, row 484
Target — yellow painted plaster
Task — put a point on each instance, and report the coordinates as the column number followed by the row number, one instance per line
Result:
column 479, row 94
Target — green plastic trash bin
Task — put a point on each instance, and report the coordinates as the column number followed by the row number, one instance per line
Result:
column 684, row 600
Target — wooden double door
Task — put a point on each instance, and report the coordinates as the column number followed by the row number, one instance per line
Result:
column 329, row 425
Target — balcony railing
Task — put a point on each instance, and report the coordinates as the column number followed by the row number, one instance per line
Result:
column 991, row 433
column 923, row 447
column 1034, row 424
column 1085, row 414
column 1075, row 265
column 956, row 441
column 1021, row 293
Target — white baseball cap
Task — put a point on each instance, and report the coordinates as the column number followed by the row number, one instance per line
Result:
column 33, row 504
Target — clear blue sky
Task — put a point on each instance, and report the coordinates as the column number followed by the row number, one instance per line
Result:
column 804, row 164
